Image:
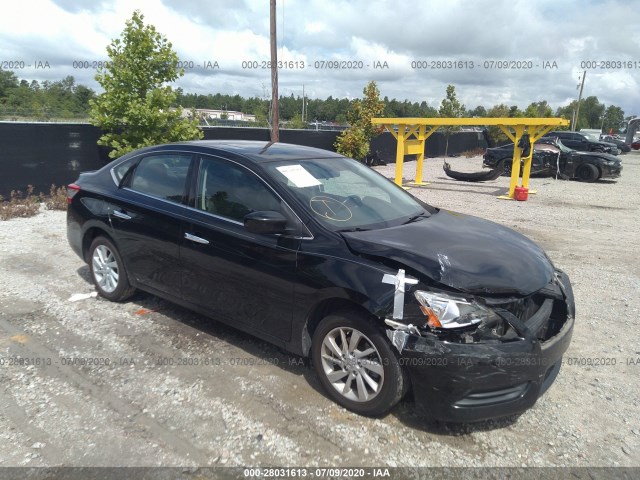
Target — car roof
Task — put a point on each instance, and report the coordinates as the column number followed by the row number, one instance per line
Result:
column 257, row 151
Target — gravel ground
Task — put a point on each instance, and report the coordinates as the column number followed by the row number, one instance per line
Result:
column 248, row 403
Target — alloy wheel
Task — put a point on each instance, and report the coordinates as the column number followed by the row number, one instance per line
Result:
column 352, row 364
column 105, row 268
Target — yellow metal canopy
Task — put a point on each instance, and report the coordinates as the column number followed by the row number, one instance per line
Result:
column 412, row 133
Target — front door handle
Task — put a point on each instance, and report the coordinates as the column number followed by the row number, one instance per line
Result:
column 121, row 215
column 193, row 238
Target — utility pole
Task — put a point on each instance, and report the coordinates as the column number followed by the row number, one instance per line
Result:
column 275, row 121
column 303, row 102
column 575, row 122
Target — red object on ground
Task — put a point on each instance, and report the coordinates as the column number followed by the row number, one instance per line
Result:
column 521, row 194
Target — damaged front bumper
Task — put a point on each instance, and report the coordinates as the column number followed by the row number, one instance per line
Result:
column 468, row 382
column 611, row 171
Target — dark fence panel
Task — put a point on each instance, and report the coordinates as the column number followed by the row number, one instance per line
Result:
column 311, row 138
column 44, row 154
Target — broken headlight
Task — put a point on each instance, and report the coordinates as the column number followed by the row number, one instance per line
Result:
column 446, row 311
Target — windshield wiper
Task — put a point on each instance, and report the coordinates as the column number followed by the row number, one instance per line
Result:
column 355, row 229
column 416, row 217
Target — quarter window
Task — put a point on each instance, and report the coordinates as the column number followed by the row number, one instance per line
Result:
column 163, row 176
column 228, row 190
column 119, row 171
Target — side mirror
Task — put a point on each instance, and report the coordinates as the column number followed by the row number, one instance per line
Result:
column 265, row 222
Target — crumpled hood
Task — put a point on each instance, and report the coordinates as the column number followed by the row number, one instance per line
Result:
column 464, row 252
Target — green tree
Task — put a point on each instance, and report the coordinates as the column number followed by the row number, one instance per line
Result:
column 613, row 119
column 538, row 110
column 297, row 122
column 495, row 133
column 261, row 111
column 83, row 97
column 479, row 111
column 341, row 119
column 567, row 112
column 135, row 108
column 515, row 112
column 593, row 111
column 8, row 81
column 354, row 142
column 450, row 107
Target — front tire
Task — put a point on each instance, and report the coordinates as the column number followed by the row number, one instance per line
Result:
column 506, row 167
column 108, row 272
column 356, row 364
column 588, row 173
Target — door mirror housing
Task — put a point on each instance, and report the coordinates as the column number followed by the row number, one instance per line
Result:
column 265, row 222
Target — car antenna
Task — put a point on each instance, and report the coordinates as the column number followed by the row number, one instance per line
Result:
column 266, row 147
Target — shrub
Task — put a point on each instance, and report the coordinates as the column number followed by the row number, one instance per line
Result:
column 57, row 199
column 474, row 152
column 19, row 205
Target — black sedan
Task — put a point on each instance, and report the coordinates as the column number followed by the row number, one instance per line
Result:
column 552, row 158
column 583, row 142
column 622, row 146
column 326, row 258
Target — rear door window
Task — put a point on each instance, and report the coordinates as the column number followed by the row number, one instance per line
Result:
column 163, row 176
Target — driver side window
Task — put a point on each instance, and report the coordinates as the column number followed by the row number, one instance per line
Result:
column 228, row 190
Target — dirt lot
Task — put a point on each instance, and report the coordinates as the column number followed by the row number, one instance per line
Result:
column 146, row 402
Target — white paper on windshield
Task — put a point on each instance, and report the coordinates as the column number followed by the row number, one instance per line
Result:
column 299, row 176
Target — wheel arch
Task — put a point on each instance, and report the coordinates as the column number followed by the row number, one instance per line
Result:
column 324, row 308
column 89, row 236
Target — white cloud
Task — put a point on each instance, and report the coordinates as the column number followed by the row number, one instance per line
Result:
column 315, row 27
column 568, row 33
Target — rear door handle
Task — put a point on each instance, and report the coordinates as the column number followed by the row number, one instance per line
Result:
column 193, row 238
column 122, row 215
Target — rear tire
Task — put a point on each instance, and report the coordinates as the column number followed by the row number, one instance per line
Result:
column 587, row 173
column 108, row 272
column 356, row 364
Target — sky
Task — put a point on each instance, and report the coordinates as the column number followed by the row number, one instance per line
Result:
column 493, row 51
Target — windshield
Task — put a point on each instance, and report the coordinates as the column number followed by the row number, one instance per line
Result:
column 345, row 195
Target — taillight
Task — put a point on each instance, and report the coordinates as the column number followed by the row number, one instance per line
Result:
column 72, row 189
